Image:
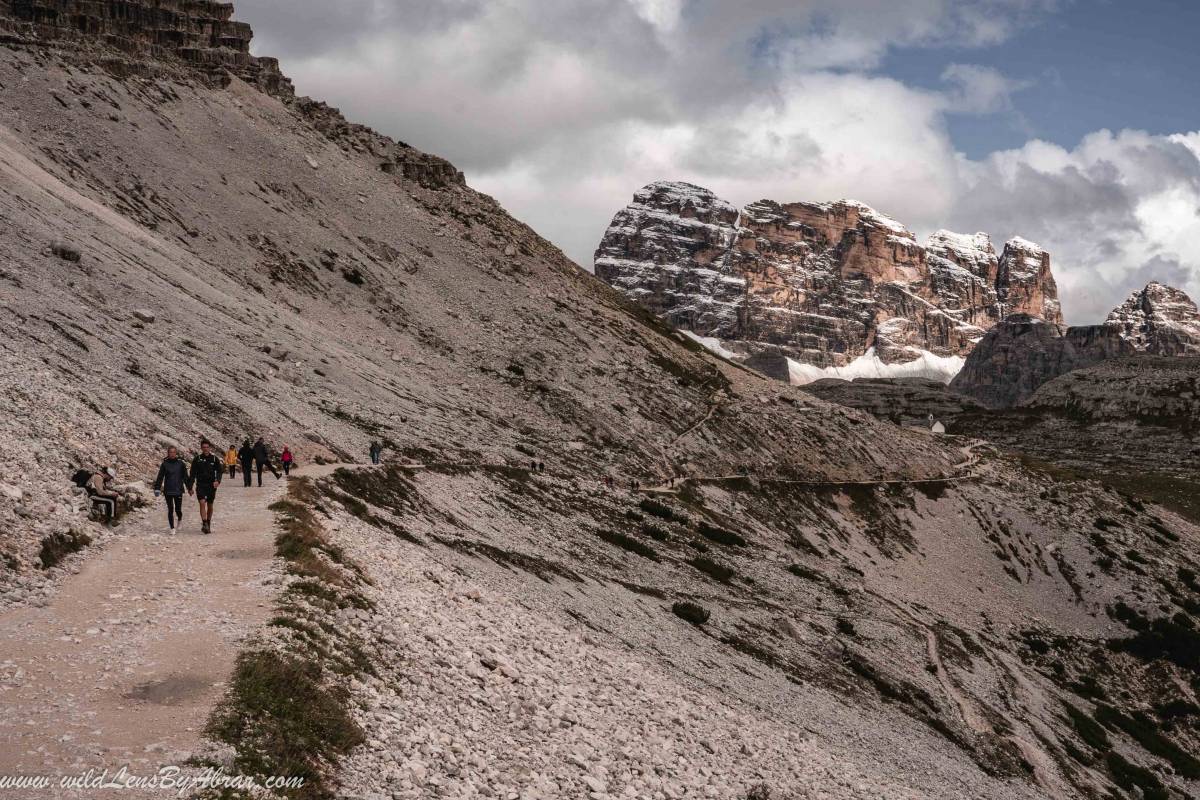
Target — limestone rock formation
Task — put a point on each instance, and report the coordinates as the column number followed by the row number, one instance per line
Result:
column 1024, row 283
column 139, row 37
column 822, row 284
column 1023, row 352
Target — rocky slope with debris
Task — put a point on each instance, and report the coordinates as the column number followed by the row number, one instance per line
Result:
column 800, row 601
column 1022, row 353
column 825, row 285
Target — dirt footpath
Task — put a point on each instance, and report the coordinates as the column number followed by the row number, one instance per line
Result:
column 123, row 667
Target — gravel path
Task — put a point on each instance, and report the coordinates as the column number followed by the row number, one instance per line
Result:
column 126, row 662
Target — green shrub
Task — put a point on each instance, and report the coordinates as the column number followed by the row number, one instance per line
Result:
column 1166, row 639
column 663, row 511
column 1188, row 577
column 629, row 543
column 691, row 612
column 720, row 535
column 656, row 532
column 1144, row 731
column 58, row 546
column 801, row 571
column 712, row 569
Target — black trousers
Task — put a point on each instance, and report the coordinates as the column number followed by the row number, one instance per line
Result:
column 107, row 504
column 287, row 468
column 260, row 469
column 232, row 470
column 174, row 509
column 246, row 472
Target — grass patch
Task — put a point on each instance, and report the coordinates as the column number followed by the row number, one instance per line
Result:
column 287, row 709
column 629, row 543
column 58, row 546
column 285, row 720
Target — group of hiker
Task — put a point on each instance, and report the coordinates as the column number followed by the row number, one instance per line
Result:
column 203, row 477
column 200, row 479
column 257, row 456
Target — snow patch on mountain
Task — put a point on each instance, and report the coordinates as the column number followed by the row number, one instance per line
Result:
column 870, row 365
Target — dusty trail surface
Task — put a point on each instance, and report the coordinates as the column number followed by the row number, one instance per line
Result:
column 127, row 661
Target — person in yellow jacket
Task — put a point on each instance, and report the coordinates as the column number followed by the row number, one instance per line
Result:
column 231, row 460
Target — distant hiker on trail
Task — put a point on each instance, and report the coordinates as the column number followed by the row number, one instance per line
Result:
column 262, row 458
column 171, row 481
column 101, row 493
column 246, row 457
column 231, row 460
column 376, row 451
column 204, row 481
column 286, row 459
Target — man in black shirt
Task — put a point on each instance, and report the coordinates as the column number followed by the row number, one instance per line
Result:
column 171, row 481
column 246, row 456
column 207, row 472
column 262, row 458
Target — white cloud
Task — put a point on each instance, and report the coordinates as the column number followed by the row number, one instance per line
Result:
column 1115, row 211
column 562, row 110
column 980, row 90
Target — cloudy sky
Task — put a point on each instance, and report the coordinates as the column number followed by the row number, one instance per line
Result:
column 1071, row 122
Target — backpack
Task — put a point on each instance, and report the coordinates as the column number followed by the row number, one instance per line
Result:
column 81, row 478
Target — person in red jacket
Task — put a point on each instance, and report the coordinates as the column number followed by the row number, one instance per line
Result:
column 286, row 459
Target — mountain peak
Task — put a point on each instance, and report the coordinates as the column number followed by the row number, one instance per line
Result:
column 1158, row 312
column 822, row 284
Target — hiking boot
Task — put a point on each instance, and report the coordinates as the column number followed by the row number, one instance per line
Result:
column 204, row 528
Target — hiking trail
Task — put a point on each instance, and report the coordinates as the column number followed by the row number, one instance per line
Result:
column 127, row 660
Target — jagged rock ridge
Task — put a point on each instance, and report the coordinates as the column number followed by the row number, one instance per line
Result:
column 819, row 283
column 1022, row 353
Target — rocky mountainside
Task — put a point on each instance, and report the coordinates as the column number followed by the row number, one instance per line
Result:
column 828, row 286
column 801, row 601
column 903, row 401
column 1133, row 420
column 1022, row 353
